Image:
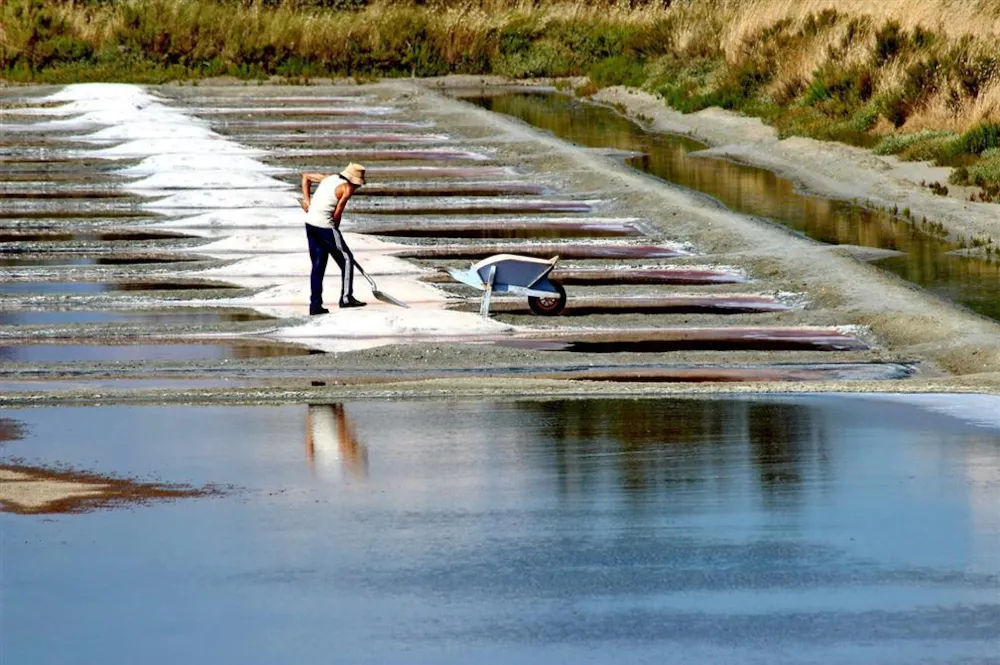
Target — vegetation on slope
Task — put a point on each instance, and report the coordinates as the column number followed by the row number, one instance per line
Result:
column 921, row 80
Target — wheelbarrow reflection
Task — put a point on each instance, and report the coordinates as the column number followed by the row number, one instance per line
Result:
column 520, row 275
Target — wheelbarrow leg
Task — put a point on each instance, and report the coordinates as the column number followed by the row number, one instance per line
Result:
column 484, row 306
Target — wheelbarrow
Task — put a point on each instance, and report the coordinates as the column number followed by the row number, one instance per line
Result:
column 520, row 275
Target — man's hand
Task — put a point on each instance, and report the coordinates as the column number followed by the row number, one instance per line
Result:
column 305, row 205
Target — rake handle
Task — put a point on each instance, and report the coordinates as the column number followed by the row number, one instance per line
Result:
column 365, row 275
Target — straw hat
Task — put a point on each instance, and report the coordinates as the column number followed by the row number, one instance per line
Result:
column 354, row 174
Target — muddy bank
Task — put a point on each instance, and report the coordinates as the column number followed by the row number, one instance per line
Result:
column 32, row 490
column 519, row 388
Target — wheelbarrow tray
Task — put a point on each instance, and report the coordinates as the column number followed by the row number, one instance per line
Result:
column 520, row 275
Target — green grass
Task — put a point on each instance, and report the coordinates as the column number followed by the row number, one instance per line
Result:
column 893, row 144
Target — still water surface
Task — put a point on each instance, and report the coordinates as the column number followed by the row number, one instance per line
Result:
column 779, row 530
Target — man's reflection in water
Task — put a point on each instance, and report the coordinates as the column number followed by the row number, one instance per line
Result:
column 332, row 449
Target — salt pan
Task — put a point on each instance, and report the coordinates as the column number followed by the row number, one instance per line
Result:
column 190, row 161
column 145, row 129
column 215, row 174
column 76, row 91
column 284, row 216
column 146, row 147
column 224, row 198
column 352, row 330
column 214, row 178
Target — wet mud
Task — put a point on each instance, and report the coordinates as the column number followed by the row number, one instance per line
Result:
column 53, row 235
column 522, row 230
column 27, row 490
column 564, row 251
column 770, row 373
column 185, row 315
column 676, row 276
column 665, row 340
column 680, row 304
column 180, row 349
column 376, row 155
column 432, row 190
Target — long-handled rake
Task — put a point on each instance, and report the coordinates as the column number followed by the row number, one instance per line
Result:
column 381, row 295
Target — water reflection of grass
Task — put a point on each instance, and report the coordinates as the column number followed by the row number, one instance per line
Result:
column 684, row 443
column 968, row 280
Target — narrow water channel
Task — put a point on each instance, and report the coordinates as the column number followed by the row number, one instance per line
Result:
column 972, row 282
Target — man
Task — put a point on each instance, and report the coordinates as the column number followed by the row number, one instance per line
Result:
column 323, row 213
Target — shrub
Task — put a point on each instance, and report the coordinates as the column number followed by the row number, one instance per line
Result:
column 936, row 149
column 618, row 70
column 838, row 92
column 981, row 138
column 543, row 58
column 938, row 188
column 986, row 172
column 35, row 37
column 889, row 42
column 814, row 24
column 896, row 143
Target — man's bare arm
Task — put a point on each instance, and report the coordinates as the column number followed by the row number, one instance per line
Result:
column 307, row 182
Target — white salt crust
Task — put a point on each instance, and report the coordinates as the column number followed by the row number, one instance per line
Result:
column 155, row 184
column 226, row 199
column 195, row 161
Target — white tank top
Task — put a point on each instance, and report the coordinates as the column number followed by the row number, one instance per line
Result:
column 323, row 203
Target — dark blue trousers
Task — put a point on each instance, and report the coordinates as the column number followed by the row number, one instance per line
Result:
column 323, row 243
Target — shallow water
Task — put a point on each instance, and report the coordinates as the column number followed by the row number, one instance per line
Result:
column 546, row 251
column 100, row 258
column 759, row 192
column 666, row 304
column 107, row 236
column 503, row 229
column 188, row 315
column 89, row 287
column 773, row 530
column 193, row 350
column 667, row 339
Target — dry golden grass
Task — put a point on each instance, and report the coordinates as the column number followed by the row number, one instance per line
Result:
column 390, row 37
column 796, row 66
column 986, row 107
column 955, row 18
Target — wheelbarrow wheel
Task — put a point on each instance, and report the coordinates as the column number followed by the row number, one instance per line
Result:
column 549, row 306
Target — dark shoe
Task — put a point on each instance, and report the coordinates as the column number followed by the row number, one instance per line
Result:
column 352, row 302
column 313, row 311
